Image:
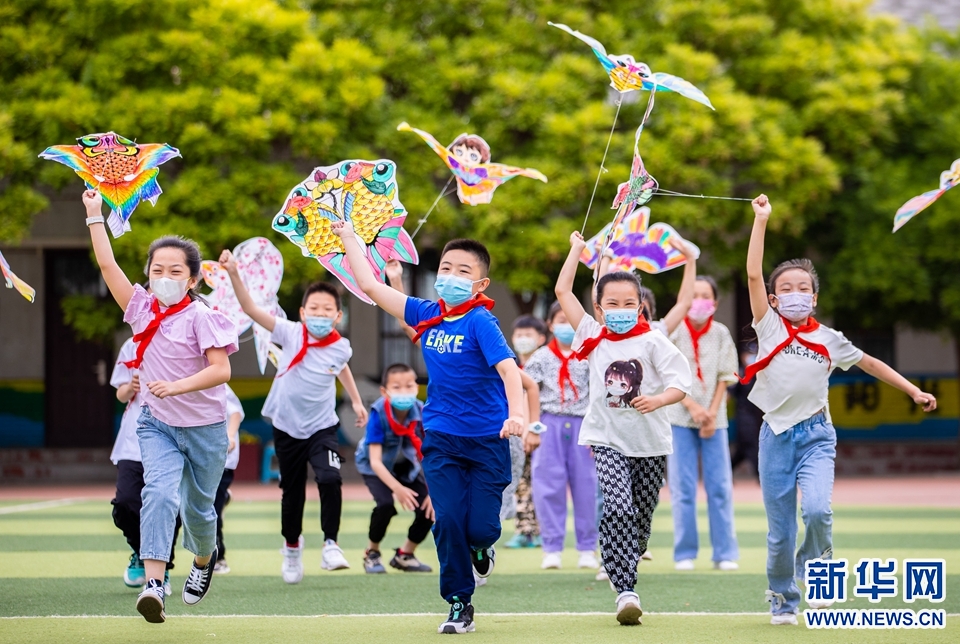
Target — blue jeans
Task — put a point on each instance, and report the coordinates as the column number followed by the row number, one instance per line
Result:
column 182, row 467
column 466, row 477
column 803, row 455
column 682, row 476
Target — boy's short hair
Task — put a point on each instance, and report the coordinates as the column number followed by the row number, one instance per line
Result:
column 398, row 367
column 555, row 308
column 322, row 287
column 530, row 322
column 619, row 276
column 473, row 247
column 803, row 264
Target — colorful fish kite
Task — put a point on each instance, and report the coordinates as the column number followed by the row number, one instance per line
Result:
column 12, row 281
column 634, row 244
column 362, row 192
column 123, row 171
column 468, row 157
column 260, row 265
column 948, row 179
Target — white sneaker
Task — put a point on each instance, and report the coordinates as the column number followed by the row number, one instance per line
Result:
column 588, row 559
column 726, row 566
column 333, row 558
column 817, row 604
column 628, row 608
column 602, row 575
column 478, row 580
column 684, row 564
column 784, row 619
column 551, row 561
column 150, row 602
column 292, row 563
column 646, row 555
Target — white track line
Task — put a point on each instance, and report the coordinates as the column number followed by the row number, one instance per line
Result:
column 42, row 505
column 360, row 615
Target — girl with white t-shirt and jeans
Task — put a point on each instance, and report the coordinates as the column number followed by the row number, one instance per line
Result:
column 634, row 373
column 797, row 441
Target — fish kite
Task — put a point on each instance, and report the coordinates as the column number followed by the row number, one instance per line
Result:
column 123, row 171
column 260, row 265
column 12, row 281
column 468, row 158
column 362, row 192
column 948, row 179
column 634, row 244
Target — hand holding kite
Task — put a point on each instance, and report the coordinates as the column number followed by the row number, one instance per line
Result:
column 123, row 171
column 948, row 179
column 12, row 281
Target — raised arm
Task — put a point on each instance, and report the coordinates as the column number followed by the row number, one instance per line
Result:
column 675, row 316
column 258, row 315
column 570, row 303
column 394, row 271
column 116, row 280
column 390, row 300
column 758, row 290
column 882, row 371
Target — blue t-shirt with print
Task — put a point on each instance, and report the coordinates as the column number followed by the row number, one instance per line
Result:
column 465, row 394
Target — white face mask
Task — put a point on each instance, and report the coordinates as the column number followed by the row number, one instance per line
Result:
column 169, row 291
column 525, row 346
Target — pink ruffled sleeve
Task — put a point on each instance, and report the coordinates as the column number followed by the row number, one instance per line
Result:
column 214, row 329
column 137, row 313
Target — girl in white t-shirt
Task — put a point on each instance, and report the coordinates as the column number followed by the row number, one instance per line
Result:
column 629, row 432
column 797, row 441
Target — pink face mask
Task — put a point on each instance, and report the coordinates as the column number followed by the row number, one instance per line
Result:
column 701, row 310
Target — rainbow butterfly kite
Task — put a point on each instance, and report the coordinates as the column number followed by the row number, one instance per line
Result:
column 634, row 244
column 912, row 208
column 123, row 171
column 12, row 281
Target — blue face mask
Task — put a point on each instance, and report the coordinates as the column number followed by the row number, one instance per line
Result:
column 453, row 290
column 319, row 327
column 620, row 320
column 403, row 402
column 563, row 333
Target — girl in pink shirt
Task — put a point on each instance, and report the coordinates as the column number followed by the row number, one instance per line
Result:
column 182, row 355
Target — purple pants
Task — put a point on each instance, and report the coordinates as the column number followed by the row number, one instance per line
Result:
column 558, row 463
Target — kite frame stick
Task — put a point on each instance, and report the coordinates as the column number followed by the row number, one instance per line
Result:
column 423, row 220
column 602, row 161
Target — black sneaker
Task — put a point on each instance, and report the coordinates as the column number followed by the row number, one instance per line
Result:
column 198, row 581
column 150, row 602
column 483, row 561
column 372, row 563
column 408, row 563
column 460, row 619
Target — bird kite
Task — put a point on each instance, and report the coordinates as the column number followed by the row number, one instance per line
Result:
column 12, row 281
column 948, row 179
column 123, row 171
column 364, row 193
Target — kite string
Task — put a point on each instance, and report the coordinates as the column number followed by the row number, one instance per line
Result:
column 423, row 220
column 602, row 169
column 671, row 193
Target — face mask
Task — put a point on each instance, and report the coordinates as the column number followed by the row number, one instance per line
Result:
column 168, row 291
column 796, row 307
column 749, row 359
column 620, row 320
column 403, row 402
column 617, row 389
column 319, row 327
column 564, row 333
column 701, row 310
column 453, row 290
column 525, row 346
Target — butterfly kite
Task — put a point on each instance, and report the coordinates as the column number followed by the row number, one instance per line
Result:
column 948, row 179
column 468, row 158
column 260, row 265
column 123, row 171
column 362, row 192
column 12, row 281
column 634, row 244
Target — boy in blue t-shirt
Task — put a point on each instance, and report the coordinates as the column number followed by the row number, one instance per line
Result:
column 474, row 400
column 388, row 458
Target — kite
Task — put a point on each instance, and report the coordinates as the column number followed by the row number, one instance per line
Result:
column 634, row 244
column 123, row 171
column 364, row 193
column 12, row 281
column 260, row 265
column 948, row 179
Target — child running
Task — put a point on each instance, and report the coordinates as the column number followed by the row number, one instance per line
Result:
column 561, row 461
column 474, row 400
column 234, row 418
column 796, row 355
column 302, row 407
column 633, row 374
column 388, row 458
column 183, row 349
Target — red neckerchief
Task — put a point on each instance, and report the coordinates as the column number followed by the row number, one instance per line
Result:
column 793, row 333
column 695, row 341
column 606, row 334
column 145, row 337
column 325, row 341
column 459, row 309
column 564, row 374
column 409, row 430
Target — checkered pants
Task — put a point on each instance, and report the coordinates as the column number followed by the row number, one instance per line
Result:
column 631, row 489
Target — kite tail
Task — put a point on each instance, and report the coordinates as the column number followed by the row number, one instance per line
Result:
column 123, row 199
column 339, row 265
column 393, row 242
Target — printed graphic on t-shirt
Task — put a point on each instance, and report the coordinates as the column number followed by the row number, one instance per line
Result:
column 804, row 352
column 622, row 380
column 442, row 342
